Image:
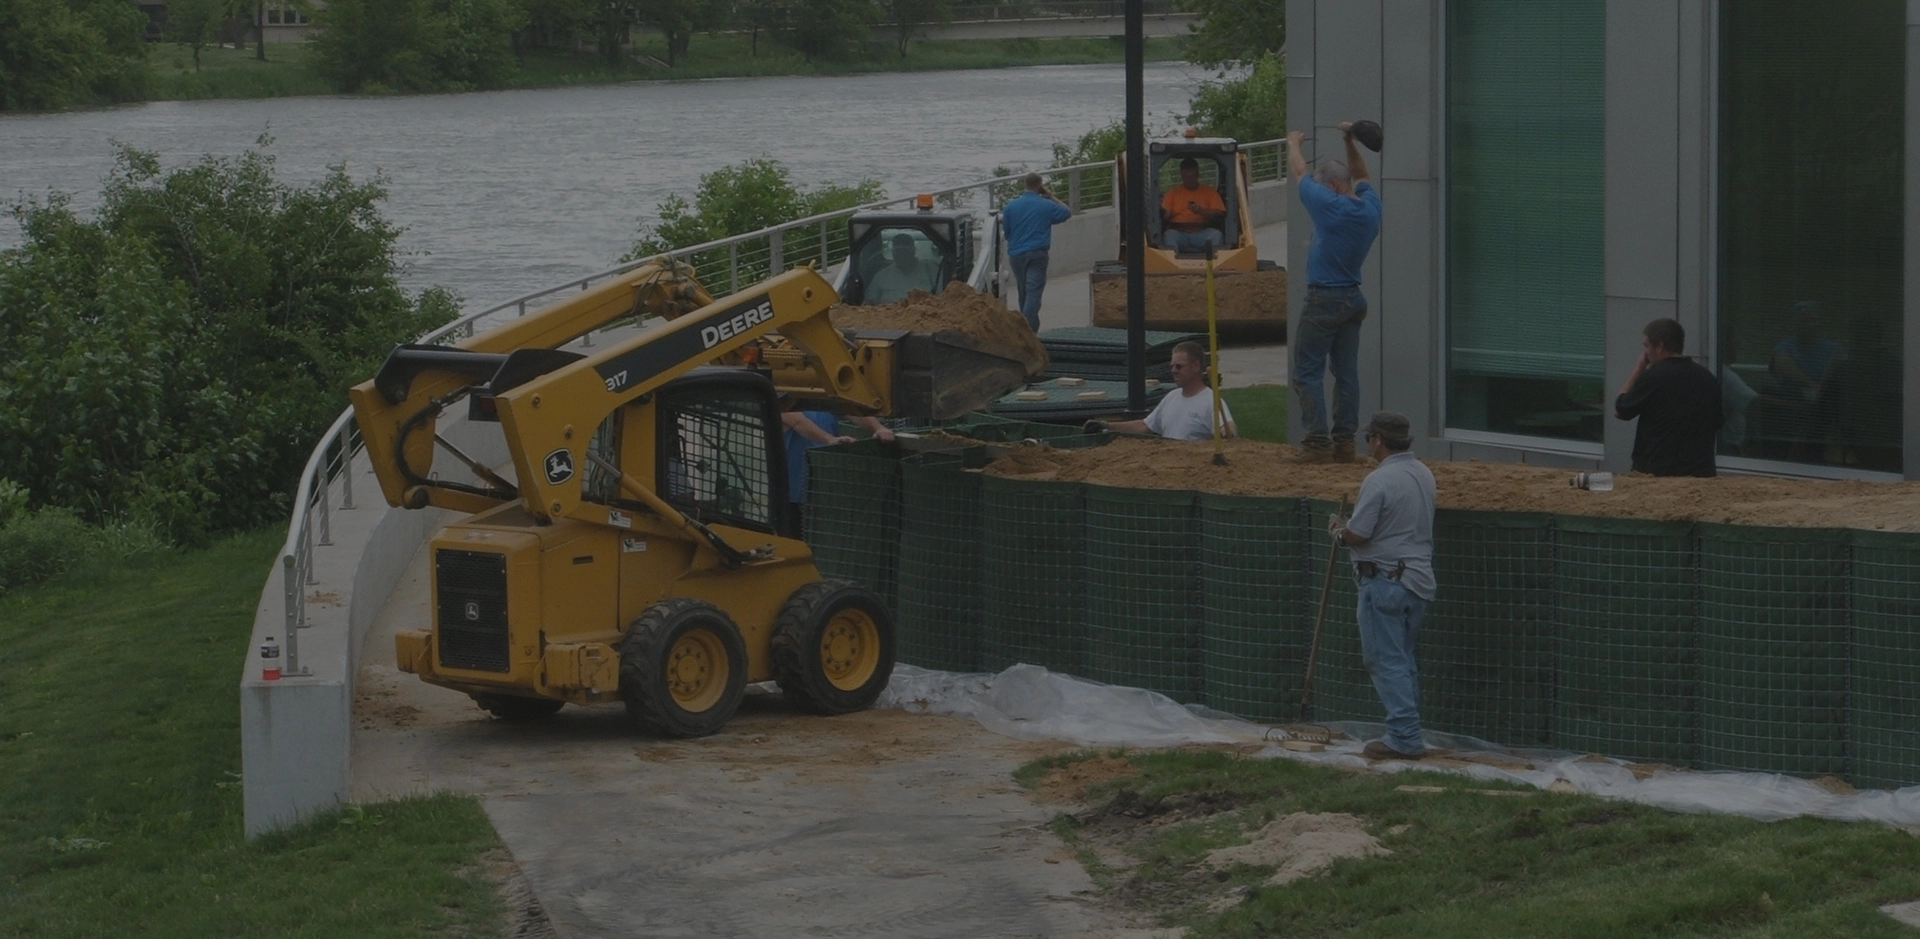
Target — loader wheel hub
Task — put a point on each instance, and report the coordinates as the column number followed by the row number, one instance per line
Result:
column 697, row 670
column 850, row 649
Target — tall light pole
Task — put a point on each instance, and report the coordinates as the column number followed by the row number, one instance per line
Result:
column 1134, row 225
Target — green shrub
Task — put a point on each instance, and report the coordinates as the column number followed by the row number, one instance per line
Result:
column 35, row 546
column 173, row 360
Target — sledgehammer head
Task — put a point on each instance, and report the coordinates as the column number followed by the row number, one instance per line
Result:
column 1369, row 134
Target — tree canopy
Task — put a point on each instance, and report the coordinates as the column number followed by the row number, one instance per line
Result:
column 417, row 45
column 60, row 53
column 174, row 358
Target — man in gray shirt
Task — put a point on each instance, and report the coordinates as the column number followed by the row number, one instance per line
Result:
column 1390, row 536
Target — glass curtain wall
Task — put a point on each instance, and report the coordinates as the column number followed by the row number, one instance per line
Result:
column 1811, row 157
column 1525, row 214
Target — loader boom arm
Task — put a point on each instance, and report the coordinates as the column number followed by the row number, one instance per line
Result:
column 550, row 401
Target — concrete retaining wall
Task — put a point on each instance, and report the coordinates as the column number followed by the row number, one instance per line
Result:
column 296, row 733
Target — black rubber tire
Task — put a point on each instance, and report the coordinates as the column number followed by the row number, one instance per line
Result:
column 833, row 647
column 667, row 663
column 508, row 707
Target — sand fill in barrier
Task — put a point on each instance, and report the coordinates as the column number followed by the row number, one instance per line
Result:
column 1262, row 469
column 959, row 309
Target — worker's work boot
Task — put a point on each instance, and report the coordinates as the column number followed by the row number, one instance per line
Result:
column 1343, row 451
column 1315, row 450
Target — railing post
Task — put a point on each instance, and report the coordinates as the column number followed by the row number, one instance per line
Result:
column 311, row 577
column 1073, row 190
column 776, row 251
column 290, row 582
column 823, row 245
column 346, row 469
column 587, row 338
column 733, row 267
column 326, row 510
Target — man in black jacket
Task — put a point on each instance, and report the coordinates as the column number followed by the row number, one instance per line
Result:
column 1677, row 402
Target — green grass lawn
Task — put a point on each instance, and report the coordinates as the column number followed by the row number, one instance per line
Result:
column 120, row 804
column 233, row 73
column 1260, row 411
column 1466, row 865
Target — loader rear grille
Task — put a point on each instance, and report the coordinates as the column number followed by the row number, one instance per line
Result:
column 472, row 617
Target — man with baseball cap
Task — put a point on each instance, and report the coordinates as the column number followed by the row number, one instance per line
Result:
column 1390, row 538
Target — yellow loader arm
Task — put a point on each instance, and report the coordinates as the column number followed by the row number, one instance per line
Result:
column 550, row 400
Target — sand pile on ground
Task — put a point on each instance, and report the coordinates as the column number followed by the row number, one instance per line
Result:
column 1262, row 469
column 959, row 309
column 1301, row 845
column 1248, row 302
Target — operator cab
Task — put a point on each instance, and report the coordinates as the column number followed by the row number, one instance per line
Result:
column 1218, row 165
column 716, row 447
column 890, row 254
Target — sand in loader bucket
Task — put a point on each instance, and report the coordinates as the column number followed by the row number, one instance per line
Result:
column 1252, row 304
column 964, row 350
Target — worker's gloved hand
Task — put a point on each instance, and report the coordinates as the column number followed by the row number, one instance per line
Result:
column 1095, row 427
column 1336, row 526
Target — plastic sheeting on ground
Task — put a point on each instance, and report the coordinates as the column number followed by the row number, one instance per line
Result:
column 1028, row 702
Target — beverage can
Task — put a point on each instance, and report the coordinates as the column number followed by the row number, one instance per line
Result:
column 1598, row 482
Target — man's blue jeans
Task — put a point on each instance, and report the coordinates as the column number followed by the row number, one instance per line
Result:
column 1196, row 242
column 1390, row 617
column 1030, row 275
column 1328, row 336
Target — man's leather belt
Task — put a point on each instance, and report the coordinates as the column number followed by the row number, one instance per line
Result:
column 1370, row 569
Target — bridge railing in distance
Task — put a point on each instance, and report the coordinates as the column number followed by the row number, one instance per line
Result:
column 724, row 266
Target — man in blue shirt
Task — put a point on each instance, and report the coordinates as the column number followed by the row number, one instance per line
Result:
column 1029, row 222
column 1346, row 218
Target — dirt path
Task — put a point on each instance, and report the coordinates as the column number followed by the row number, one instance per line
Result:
column 874, row 824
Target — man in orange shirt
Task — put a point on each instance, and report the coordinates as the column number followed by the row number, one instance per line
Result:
column 1191, row 215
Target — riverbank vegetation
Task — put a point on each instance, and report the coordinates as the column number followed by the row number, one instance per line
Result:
column 168, row 362
column 75, row 53
column 124, row 809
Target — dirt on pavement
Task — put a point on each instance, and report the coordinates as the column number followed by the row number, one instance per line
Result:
column 879, row 823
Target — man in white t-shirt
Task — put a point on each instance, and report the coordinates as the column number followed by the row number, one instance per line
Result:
column 1186, row 413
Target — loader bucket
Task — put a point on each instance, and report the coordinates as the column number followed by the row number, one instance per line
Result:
column 946, row 374
column 1252, row 304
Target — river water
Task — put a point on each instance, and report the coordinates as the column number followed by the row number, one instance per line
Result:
column 505, row 192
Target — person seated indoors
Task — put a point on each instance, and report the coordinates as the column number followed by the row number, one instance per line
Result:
column 1185, row 413
column 905, row 274
column 1193, row 217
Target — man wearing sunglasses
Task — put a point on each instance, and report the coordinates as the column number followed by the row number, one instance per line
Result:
column 1390, row 537
column 1187, row 412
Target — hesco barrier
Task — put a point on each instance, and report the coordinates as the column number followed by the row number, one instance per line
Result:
column 1697, row 645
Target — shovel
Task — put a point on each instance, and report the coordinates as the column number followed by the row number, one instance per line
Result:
column 1320, row 620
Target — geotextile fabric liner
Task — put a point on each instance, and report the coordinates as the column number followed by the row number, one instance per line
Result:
column 1627, row 600
column 1774, row 649
column 1033, row 575
column 1886, row 659
column 939, row 614
column 1253, row 572
column 1143, row 591
column 1698, row 645
column 1486, row 657
column 853, row 514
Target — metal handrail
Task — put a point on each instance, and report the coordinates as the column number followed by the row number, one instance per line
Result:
column 332, row 457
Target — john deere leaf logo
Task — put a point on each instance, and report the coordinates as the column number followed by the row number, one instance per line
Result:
column 559, row 466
